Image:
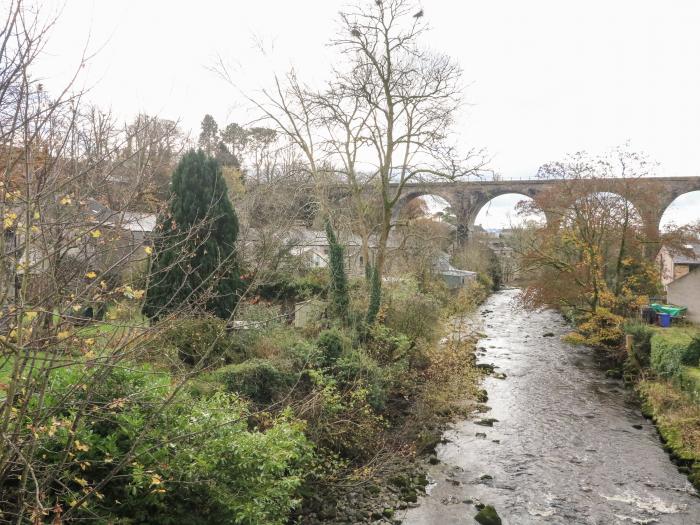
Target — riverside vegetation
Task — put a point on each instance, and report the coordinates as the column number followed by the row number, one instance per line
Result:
column 273, row 424
column 665, row 365
column 180, row 416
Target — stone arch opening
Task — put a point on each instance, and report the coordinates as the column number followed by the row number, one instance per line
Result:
column 422, row 204
column 684, row 210
column 427, row 205
column 503, row 211
column 610, row 203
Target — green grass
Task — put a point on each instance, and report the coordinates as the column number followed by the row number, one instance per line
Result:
column 7, row 363
column 678, row 332
column 677, row 418
column 5, row 368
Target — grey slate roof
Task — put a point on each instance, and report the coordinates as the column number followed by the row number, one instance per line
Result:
column 687, row 258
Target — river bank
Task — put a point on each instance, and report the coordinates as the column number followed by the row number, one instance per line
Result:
column 448, row 390
column 677, row 417
column 562, row 443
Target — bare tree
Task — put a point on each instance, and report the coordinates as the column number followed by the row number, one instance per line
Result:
column 382, row 121
column 62, row 260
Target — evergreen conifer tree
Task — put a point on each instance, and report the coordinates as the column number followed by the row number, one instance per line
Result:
column 194, row 260
column 339, row 281
column 209, row 136
column 375, row 296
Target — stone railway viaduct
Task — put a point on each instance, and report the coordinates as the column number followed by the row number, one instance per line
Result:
column 467, row 198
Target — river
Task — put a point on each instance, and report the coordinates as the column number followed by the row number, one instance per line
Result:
column 569, row 445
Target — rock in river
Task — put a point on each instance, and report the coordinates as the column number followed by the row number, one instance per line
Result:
column 488, row 516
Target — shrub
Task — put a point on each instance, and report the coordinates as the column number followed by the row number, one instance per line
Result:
column 357, row 367
column 600, row 329
column 274, row 342
column 341, row 420
column 692, row 355
column 225, row 471
column 204, row 341
column 193, row 454
column 417, row 316
column 467, row 299
column 641, row 341
column 386, row 345
column 671, row 349
column 257, row 379
column 332, row 342
column 289, row 285
column 140, row 385
column 304, row 355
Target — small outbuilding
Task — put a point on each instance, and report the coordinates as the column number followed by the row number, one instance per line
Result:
column 453, row 277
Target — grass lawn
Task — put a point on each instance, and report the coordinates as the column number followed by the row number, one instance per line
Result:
column 6, row 363
column 681, row 332
column 116, row 328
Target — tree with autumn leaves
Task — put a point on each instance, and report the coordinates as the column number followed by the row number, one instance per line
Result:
column 595, row 258
column 595, row 252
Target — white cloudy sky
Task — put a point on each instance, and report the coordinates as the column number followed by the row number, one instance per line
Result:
column 542, row 77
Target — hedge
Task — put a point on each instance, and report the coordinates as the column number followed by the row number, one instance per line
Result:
column 671, row 349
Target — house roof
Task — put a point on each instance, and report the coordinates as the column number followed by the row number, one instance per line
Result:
column 126, row 220
column 443, row 266
column 300, row 236
column 691, row 256
column 135, row 221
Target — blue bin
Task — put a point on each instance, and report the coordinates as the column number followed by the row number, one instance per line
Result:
column 665, row 320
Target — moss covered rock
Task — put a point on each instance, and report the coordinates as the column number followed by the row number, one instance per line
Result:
column 488, row 516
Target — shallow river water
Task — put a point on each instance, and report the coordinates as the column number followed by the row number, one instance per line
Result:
column 569, row 445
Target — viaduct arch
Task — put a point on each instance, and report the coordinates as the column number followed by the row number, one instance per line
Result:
column 466, row 198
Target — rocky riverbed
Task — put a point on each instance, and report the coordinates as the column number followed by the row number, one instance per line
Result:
column 557, row 442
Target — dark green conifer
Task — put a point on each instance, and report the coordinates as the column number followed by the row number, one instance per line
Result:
column 194, row 260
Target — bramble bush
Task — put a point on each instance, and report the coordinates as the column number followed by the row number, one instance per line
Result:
column 415, row 316
column 341, row 420
column 273, row 342
column 256, row 379
column 386, row 345
column 332, row 343
column 356, row 368
column 203, row 341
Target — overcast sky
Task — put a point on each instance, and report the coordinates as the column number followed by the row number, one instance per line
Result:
column 542, row 77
